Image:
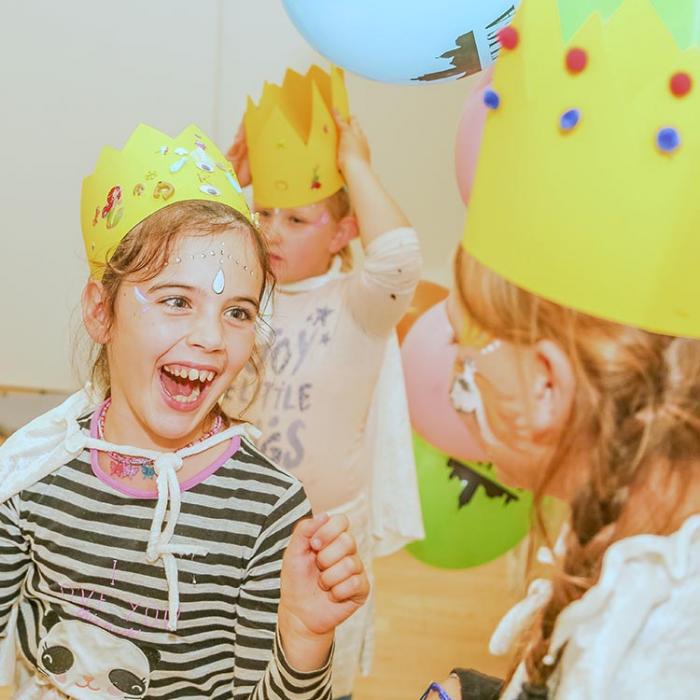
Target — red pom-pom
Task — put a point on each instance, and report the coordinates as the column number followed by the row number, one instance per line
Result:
column 576, row 60
column 681, row 83
column 509, row 38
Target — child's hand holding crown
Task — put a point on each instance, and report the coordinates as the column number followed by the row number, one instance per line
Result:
column 353, row 146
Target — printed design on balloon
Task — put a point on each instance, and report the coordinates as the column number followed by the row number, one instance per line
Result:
column 405, row 43
column 471, row 480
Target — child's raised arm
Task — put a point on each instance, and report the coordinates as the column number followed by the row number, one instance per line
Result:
column 375, row 210
column 380, row 295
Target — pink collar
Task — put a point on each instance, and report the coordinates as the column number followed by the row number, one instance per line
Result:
column 120, row 486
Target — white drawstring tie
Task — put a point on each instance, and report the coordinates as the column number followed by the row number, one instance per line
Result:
column 166, row 465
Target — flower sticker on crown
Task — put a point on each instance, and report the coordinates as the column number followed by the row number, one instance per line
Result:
column 316, row 180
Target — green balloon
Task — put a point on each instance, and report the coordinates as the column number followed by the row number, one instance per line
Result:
column 469, row 517
column 682, row 17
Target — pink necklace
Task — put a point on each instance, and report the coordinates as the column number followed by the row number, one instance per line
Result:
column 125, row 466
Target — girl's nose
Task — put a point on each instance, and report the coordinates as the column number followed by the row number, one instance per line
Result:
column 207, row 333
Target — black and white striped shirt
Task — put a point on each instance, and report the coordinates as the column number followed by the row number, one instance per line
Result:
column 93, row 612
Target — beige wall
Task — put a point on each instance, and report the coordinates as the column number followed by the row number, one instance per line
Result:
column 77, row 75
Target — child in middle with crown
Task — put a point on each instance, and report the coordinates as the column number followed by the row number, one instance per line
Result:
column 332, row 407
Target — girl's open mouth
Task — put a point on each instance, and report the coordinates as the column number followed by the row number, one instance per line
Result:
column 184, row 387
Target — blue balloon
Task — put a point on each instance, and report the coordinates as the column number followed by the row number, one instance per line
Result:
column 409, row 42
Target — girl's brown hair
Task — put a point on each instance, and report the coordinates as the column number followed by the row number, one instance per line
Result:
column 144, row 252
column 637, row 403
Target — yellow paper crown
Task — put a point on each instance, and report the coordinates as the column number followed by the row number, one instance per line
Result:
column 152, row 171
column 292, row 138
column 585, row 192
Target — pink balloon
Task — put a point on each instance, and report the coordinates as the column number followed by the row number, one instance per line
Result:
column 469, row 132
column 428, row 359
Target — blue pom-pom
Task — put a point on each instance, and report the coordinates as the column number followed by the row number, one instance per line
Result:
column 570, row 119
column 492, row 99
column 668, row 139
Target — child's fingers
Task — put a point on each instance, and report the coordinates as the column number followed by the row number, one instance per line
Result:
column 355, row 588
column 330, row 531
column 342, row 546
column 342, row 570
column 342, row 123
column 304, row 531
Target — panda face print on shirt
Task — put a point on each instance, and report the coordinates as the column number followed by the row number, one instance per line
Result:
column 85, row 661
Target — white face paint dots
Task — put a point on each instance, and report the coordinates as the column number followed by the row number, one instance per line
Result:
column 466, row 397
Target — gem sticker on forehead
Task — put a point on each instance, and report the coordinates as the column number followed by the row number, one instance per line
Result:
column 219, row 282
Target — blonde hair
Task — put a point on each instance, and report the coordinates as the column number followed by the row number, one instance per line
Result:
column 144, row 251
column 637, row 401
column 339, row 206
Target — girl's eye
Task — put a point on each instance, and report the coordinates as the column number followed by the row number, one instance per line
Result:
column 239, row 314
column 297, row 220
column 176, row 302
column 262, row 213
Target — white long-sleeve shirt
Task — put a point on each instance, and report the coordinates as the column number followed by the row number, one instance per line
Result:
column 322, row 370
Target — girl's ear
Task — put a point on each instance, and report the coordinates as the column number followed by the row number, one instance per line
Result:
column 554, row 388
column 346, row 231
column 96, row 316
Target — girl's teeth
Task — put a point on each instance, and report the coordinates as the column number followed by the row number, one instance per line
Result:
column 188, row 399
column 191, row 374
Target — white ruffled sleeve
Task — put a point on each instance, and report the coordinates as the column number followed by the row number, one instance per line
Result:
column 636, row 634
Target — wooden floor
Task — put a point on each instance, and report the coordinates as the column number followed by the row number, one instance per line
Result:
column 428, row 621
column 431, row 620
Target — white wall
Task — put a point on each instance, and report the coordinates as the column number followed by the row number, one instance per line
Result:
column 77, row 75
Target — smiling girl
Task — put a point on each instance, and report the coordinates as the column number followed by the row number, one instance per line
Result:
column 142, row 536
